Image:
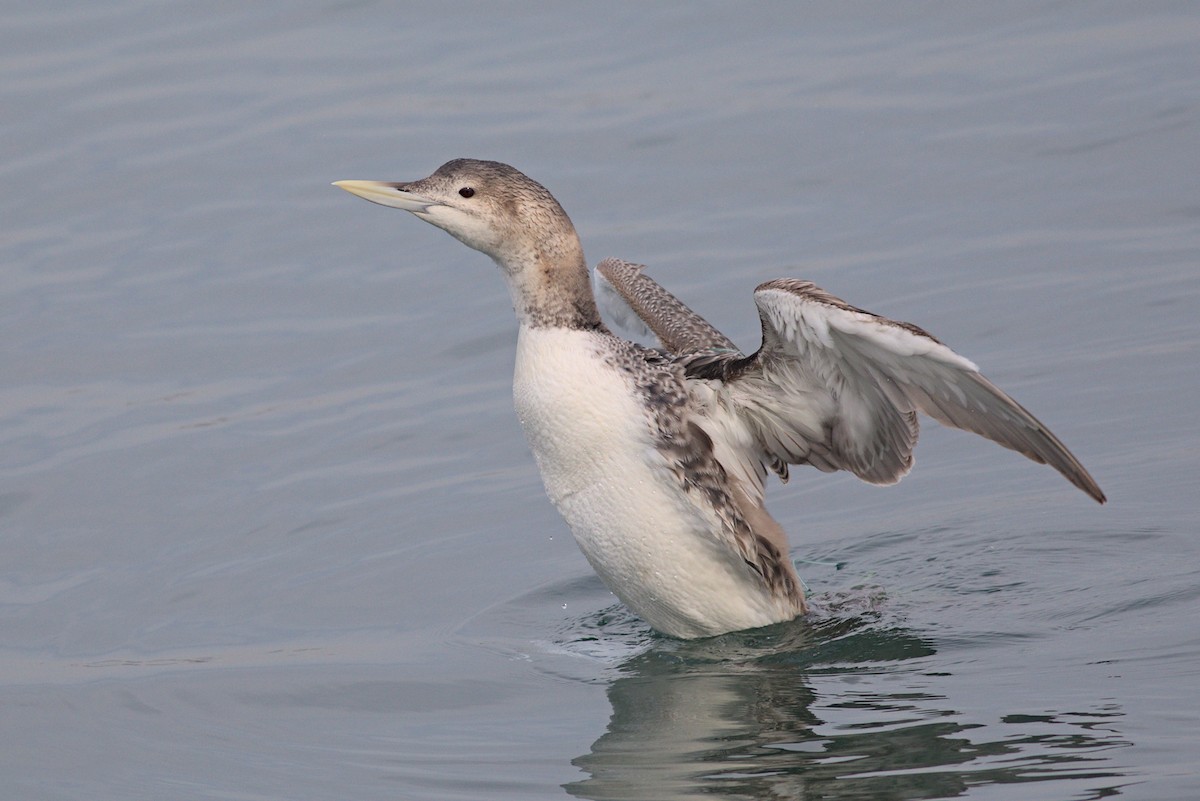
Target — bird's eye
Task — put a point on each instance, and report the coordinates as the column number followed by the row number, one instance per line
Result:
column 467, row 191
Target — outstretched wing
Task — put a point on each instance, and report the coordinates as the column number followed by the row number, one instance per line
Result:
column 832, row 386
column 839, row 388
column 623, row 288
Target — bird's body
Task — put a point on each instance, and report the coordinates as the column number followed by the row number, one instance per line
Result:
column 657, row 458
column 593, row 412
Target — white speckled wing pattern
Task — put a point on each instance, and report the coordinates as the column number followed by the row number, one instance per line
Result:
column 837, row 387
column 678, row 328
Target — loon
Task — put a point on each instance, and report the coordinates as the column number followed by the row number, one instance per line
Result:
column 658, row 457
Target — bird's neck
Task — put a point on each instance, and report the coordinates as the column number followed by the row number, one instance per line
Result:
column 551, row 288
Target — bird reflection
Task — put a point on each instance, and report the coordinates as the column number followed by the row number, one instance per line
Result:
column 799, row 711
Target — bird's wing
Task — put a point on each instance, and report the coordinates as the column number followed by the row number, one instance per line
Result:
column 839, row 388
column 622, row 288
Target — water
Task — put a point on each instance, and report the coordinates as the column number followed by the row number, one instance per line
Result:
column 269, row 528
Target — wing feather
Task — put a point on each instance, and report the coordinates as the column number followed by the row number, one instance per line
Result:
column 839, row 388
column 833, row 386
column 679, row 329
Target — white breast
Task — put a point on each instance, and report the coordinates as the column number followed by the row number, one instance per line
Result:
column 656, row 547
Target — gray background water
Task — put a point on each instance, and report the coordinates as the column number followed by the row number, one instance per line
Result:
column 269, row 530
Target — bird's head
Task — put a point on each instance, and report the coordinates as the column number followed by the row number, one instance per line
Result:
column 486, row 205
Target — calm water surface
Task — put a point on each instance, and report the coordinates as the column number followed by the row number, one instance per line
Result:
column 269, row 530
